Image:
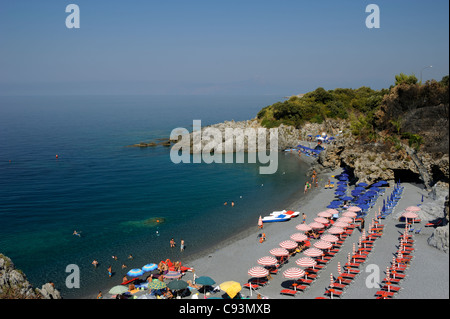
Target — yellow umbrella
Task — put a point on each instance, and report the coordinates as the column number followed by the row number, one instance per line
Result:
column 231, row 288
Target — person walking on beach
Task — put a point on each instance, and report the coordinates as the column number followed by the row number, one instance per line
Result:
column 182, row 245
column 306, row 187
column 304, row 218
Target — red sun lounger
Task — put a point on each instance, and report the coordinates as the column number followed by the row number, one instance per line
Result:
column 289, row 292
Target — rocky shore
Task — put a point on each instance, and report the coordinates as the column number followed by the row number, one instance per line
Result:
column 14, row 284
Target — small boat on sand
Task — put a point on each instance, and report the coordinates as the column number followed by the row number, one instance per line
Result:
column 285, row 212
column 276, row 218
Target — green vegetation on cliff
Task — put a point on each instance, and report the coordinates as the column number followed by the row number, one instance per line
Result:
column 318, row 105
column 367, row 111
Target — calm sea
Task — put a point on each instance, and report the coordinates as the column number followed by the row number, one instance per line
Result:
column 123, row 200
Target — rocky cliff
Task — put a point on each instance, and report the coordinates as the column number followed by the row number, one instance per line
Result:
column 14, row 284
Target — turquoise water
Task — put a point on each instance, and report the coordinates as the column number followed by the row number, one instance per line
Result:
column 114, row 194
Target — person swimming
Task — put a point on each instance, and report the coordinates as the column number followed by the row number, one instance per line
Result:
column 75, row 233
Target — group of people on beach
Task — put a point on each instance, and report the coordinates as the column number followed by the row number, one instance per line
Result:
column 172, row 244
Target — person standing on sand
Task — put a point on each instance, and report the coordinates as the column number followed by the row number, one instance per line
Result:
column 306, row 188
column 361, row 226
column 304, row 218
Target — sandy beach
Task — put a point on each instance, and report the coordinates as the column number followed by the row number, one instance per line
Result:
column 427, row 277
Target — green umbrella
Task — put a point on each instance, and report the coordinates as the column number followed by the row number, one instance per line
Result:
column 205, row 281
column 118, row 290
column 157, row 284
column 177, row 284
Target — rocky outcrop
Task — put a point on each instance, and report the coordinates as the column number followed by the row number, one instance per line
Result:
column 288, row 136
column 14, row 284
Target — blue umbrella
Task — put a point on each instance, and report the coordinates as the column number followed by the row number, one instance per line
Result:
column 136, row 272
column 149, row 267
column 363, row 184
column 339, row 193
column 347, row 198
column 359, row 188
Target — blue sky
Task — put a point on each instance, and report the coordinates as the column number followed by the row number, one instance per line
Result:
column 217, row 47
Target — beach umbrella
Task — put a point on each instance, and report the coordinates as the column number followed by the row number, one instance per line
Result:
column 205, row 281
column 341, row 224
column 156, row 284
column 325, row 214
column 336, row 230
column 344, row 219
column 322, row 244
column 172, row 274
column 363, row 184
column 354, row 209
column 409, row 214
column 339, row 193
column 332, row 211
column 321, row 220
column 232, row 288
column 313, row 252
column 260, row 222
column 267, row 261
column 339, row 268
column 279, row 252
column 306, row 262
column 349, row 214
column 258, row 272
column 136, row 272
column 329, row 238
column 316, row 225
column 288, row 244
column 177, row 284
column 118, row 290
column 299, row 237
column 413, row 208
column 347, row 198
column 294, row 273
column 149, row 267
column 303, row 227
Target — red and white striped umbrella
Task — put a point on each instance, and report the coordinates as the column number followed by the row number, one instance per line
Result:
column 344, row 220
column 349, row 214
column 341, row 224
column 413, row 208
column 336, row 230
column 258, row 272
column 388, row 274
column 313, row 252
column 331, row 280
column 279, row 252
column 325, row 214
column 339, row 268
column 267, row 261
column 410, row 214
column 299, row 237
column 306, row 262
column 288, row 244
column 321, row 220
column 303, row 227
column 316, row 225
column 329, row 238
column 294, row 273
column 321, row 244
column 353, row 209
column 332, row 211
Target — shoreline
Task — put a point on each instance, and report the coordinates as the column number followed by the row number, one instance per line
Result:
column 294, row 203
column 231, row 258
